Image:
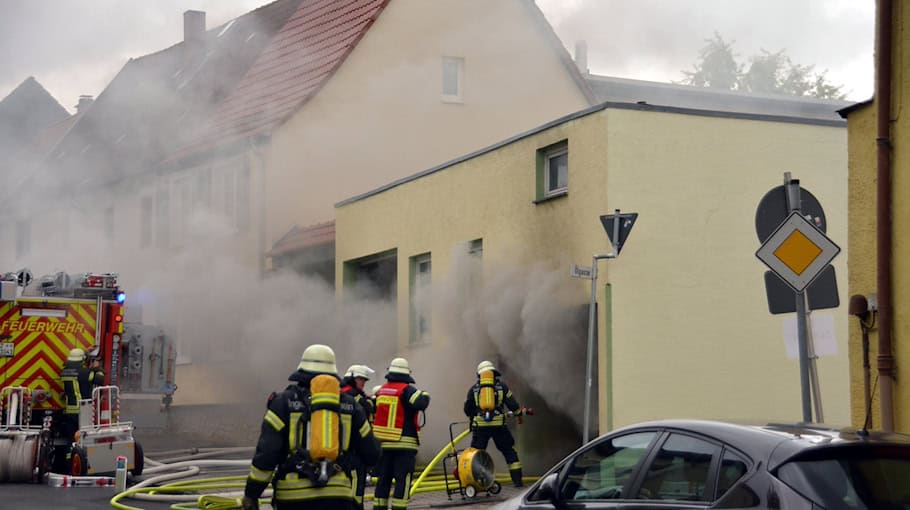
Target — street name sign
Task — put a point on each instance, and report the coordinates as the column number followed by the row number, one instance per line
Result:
column 797, row 251
column 585, row 272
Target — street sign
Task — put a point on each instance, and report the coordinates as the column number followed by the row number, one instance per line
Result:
column 797, row 251
column 774, row 208
column 618, row 227
column 820, row 294
column 581, row 272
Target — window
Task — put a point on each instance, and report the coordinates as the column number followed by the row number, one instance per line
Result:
column 145, row 222
column 553, row 171
column 162, row 218
column 242, row 219
column 202, row 191
column 453, row 79
column 680, row 469
column 732, row 468
column 421, row 298
column 605, row 471
column 475, row 248
column 23, row 237
column 183, row 209
column 109, row 223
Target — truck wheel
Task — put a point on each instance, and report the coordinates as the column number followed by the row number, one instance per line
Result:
column 44, row 462
column 138, row 459
column 78, row 461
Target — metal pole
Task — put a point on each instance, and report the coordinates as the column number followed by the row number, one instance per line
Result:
column 589, row 369
column 813, row 371
column 793, row 203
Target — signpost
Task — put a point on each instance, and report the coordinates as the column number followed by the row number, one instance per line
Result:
column 617, row 226
column 797, row 251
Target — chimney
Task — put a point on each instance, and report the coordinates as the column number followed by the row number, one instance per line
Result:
column 581, row 56
column 193, row 26
column 84, row 103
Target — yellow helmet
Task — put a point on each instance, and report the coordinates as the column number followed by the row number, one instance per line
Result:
column 399, row 366
column 486, row 366
column 318, row 359
column 76, row 355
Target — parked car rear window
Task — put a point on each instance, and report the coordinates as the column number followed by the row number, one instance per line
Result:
column 853, row 478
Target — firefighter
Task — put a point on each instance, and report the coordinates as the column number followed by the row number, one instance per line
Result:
column 77, row 385
column 396, row 426
column 352, row 384
column 487, row 404
column 95, row 370
column 289, row 437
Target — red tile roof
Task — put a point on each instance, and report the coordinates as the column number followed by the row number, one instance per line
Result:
column 303, row 237
column 299, row 60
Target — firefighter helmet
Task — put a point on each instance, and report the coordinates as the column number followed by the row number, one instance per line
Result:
column 76, row 355
column 399, row 366
column 362, row 371
column 318, row 359
column 486, row 365
column 376, row 389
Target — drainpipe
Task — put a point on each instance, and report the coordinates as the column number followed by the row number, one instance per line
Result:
column 883, row 213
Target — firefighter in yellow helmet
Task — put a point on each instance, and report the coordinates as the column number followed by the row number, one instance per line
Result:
column 486, row 405
column 296, row 427
column 396, row 426
column 352, row 384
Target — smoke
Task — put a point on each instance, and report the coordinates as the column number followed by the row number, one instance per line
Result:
column 526, row 319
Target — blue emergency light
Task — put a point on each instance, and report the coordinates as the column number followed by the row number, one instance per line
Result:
column 121, row 297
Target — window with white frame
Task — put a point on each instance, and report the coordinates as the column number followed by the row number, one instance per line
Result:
column 162, row 218
column 556, row 170
column 421, row 298
column 453, row 79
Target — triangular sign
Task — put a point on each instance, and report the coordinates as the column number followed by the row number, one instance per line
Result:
column 621, row 224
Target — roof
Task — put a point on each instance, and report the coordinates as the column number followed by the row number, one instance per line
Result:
column 298, row 238
column 625, row 90
column 157, row 101
column 297, row 63
column 845, row 112
column 25, row 112
column 583, row 113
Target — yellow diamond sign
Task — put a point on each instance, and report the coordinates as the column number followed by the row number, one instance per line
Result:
column 797, row 251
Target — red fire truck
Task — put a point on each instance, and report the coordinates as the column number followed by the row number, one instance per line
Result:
column 40, row 322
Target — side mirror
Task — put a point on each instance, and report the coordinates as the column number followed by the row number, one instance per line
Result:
column 549, row 488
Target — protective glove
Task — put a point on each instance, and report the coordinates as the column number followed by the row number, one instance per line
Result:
column 248, row 503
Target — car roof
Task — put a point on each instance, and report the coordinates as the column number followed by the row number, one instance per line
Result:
column 774, row 443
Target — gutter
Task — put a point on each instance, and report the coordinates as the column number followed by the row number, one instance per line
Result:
column 883, row 212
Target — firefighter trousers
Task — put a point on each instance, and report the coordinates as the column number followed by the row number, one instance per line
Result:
column 397, row 465
column 504, row 442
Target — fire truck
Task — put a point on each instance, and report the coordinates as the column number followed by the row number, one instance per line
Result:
column 41, row 321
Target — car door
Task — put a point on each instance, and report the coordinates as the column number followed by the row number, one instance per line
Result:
column 600, row 476
column 680, row 473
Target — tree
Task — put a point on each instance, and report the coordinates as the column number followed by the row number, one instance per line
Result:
column 717, row 67
column 768, row 73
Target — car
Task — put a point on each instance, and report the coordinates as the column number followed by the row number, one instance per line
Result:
column 694, row 464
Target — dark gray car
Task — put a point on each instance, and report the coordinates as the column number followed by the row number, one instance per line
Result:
column 689, row 464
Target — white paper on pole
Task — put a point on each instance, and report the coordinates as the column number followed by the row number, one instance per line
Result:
column 823, row 337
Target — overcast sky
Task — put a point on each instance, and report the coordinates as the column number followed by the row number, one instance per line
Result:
column 75, row 47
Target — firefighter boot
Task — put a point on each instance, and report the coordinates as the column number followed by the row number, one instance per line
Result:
column 516, row 477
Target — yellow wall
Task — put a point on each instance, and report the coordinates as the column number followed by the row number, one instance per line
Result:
column 862, row 265
column 691, row 334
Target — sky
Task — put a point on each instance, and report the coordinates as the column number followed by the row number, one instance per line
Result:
column 76, row 47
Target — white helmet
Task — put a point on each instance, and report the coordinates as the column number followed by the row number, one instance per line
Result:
column 361, row 371
column 318, row 359
column 76, row 355
column 486, row 366
column 399, row 366
column 375, row 389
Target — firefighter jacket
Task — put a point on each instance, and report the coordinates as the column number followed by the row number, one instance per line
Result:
column 505, row 401
column 77, row 385
column 282, row 441
column 398, row 404
column 348, row 386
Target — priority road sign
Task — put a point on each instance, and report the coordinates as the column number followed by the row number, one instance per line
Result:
column 797, row 251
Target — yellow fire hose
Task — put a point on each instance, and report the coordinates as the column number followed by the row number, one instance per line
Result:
column 428, row 481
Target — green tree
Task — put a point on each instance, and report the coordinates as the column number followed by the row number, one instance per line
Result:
column 767, row 73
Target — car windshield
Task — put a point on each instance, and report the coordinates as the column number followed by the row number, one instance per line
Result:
column 853, row 478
